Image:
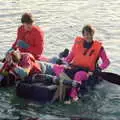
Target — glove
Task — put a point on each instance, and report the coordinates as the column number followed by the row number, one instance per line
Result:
column 22, row 44
column 64, row 53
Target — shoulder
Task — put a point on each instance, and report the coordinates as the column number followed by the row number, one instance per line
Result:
column 78, row 39
column 21, row 27
column 37, row 29
column 98, row 42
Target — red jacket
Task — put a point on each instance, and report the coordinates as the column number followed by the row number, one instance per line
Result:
column 27, row 63
column 35, row 39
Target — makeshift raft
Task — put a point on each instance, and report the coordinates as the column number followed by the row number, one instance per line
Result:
column 42, row 88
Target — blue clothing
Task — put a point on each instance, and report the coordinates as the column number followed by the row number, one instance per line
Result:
column 22, row 44
column 10, row 50
column 47, row 68
column 21, row 72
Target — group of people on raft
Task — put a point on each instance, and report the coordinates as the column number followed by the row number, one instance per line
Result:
column 81, row 62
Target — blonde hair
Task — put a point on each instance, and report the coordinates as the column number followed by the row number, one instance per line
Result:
column 16, row 56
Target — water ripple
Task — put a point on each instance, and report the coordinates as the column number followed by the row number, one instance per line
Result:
column 62, row 21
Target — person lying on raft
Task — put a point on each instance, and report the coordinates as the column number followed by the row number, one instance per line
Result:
column 19, row 64
column 83, row 59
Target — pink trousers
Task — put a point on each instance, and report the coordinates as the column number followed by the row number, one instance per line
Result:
column 79, row 77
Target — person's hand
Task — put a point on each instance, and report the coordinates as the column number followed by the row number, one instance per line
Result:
column 67, row 67
column 89, row 74
column 65, row 63
column 22, row 44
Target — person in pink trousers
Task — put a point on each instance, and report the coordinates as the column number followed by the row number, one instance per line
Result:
column 83, row 59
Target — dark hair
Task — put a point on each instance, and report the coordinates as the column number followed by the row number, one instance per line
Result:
column 88, row 28
column 27, row 18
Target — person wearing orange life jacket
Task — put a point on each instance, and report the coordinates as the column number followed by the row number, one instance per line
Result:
column 20, row 64
column 30, row 38
column 83, row 58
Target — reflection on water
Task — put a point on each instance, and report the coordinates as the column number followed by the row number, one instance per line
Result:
column 62, row 21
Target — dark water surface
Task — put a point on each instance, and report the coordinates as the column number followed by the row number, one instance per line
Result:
column 62, row 21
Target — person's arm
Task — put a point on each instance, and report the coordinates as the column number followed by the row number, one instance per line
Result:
column 14, row 45
column 69, row 57
column 105, row 60
column 20, row 35
column 71, row 54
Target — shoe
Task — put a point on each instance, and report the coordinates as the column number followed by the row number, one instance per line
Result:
column 67, row 102
column 75, row 99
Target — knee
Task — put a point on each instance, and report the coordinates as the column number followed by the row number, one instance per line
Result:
column 58, row 69
column 81, row 75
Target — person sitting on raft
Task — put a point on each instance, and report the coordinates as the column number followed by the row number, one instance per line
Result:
column 83, row 59
column 30, row 38
column 20, row 64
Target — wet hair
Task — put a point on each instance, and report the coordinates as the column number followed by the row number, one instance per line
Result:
column 88, row 28
column 27, row 18
column 15, row 56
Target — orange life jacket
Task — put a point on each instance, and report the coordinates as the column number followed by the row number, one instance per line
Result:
column 84, row 57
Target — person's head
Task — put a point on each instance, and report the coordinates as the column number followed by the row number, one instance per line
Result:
column 27, row 21
column 88, row 32
column 16, row 56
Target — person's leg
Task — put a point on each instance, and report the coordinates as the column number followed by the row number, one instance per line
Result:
column 58, row 69
column 56, row 59
column 50, row 72
column 79, row 77
column 47, row 68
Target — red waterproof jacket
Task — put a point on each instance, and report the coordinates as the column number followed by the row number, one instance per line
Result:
column 34, row 38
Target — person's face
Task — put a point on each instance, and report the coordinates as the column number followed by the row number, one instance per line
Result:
column 16, row 56
column 27, row 26
column 88, row 36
